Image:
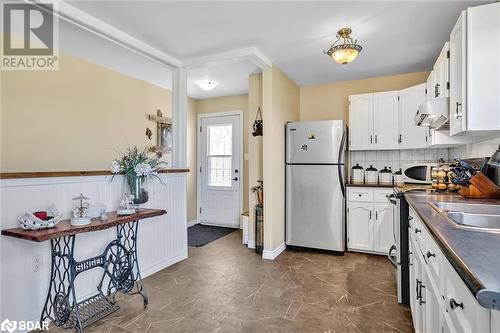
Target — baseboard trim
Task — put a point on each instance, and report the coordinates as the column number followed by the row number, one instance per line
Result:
column 251, row 244
column 163, row 264
column 192, row 222
column 271, row 255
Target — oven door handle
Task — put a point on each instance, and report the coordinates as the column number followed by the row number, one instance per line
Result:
column 392, row 258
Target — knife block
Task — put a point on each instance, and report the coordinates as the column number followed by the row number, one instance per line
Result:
column 481, row 187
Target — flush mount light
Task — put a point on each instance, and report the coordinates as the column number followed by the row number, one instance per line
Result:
column 206, row 85
column 345, row 51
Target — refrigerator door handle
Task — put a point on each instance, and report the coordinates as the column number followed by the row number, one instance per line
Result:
column 340, row 165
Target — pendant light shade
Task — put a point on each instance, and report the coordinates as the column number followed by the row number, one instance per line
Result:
column 345, row 51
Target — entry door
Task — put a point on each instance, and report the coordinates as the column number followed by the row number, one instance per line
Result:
column 220, row 170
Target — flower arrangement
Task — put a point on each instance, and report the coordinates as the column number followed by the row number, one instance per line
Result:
column 137, row 165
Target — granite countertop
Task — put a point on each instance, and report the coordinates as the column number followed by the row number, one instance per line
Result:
column 475, row 255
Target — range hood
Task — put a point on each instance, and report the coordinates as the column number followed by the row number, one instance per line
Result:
column 433, row 114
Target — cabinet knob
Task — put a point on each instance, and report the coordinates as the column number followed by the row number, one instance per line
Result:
column 454, row 304
column 410, row 218
column 429, row 254
column 417, row 230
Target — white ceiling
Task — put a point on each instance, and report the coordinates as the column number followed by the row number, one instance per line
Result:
column 397, row 36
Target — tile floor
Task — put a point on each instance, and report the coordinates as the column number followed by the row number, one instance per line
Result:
column 225, row 287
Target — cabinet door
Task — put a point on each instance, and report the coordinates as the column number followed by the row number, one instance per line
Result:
column 483, row 69
column 431, row 305
column 361, row 122
column 383, row 230
column 412, row 136
column 458, row 76
column 429, row 87
column 359, row 227
column 442, row 90
column 413, row 285
column 418, row 313
column 385, row 120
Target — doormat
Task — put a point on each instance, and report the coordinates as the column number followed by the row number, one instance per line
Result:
column 199, row 234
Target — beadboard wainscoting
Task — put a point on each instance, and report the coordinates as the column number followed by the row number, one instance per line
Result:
column 25, row 271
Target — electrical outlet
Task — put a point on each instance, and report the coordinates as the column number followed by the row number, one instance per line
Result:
column 37, row 263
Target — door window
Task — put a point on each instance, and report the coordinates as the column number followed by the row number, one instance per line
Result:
column 220, row 139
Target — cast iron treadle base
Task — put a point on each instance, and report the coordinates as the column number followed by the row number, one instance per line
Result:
column 91, row 310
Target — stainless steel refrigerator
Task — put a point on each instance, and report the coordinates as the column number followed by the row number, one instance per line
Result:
column 315, row 184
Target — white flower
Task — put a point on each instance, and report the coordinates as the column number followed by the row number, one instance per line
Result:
column 143, row 169
column 115, row 167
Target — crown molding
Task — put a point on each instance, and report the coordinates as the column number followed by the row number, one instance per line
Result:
column 90, row 23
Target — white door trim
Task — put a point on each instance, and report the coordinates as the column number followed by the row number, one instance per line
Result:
column 198, row 156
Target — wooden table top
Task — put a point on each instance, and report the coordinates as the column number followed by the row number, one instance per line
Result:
column 64, row 227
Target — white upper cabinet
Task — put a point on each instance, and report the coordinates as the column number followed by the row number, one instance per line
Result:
column 361, row 122
column 429, row 87
column 440, row 74
column 385, row 120
column 457, row 76
column 373, row 121
column 411, row 136
column 475, row 71
column 442, row 138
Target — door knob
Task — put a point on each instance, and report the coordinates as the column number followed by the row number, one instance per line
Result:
column 235, row 179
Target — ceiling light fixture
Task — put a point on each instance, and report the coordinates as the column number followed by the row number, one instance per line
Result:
column 347, row 51
column 207, row 85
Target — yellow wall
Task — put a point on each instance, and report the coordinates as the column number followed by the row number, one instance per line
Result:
column 231, row 103
column 191, row 160
column 77, row 118
column 80, row 118
column 254, row 148
column 330, row 101
column 280, row 104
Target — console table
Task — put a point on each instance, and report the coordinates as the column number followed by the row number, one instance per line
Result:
column 118, row 261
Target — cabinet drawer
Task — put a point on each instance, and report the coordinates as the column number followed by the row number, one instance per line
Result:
column 382, row 195
column 465, row 312
column 361, row 194
column 417, row 230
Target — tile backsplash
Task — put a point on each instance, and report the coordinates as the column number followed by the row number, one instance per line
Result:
column 481, row 148
column 393, row 158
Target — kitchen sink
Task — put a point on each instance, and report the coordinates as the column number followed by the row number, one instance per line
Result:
column 475, row 220
column 477, row 216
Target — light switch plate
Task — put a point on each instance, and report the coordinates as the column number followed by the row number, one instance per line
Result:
column 246, row 157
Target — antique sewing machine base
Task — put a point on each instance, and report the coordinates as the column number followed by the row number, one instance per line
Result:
column 121, row 274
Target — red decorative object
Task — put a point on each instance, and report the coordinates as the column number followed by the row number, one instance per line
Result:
column 41, row 215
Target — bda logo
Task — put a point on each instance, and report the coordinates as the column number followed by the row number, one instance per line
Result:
column 8, row 325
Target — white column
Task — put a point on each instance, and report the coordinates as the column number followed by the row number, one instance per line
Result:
column 179, row 117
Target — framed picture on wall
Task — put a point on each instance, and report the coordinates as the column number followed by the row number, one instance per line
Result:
column 164, row 137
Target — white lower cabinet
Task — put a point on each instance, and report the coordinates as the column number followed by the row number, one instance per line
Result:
column 439, row 299
column 369, row 220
